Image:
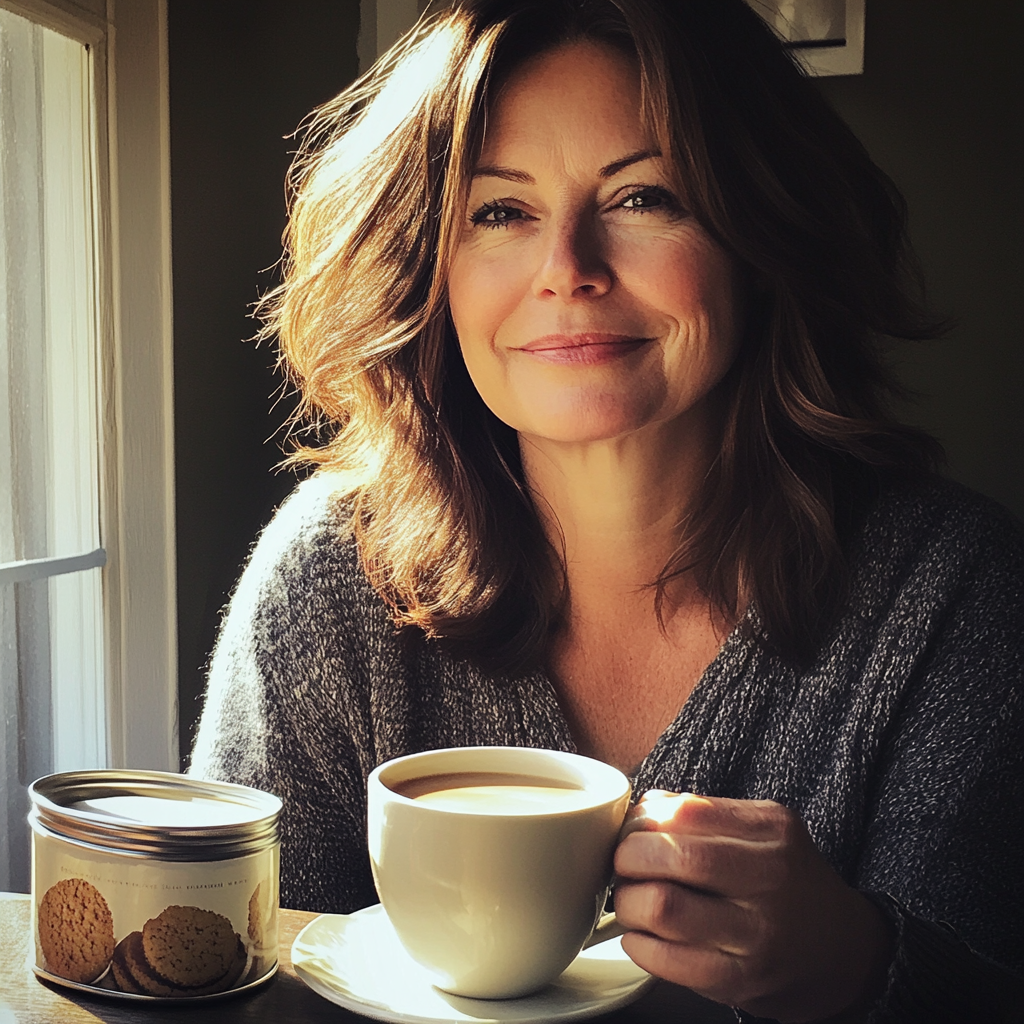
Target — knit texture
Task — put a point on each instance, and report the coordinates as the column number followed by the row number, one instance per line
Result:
column 902, row 746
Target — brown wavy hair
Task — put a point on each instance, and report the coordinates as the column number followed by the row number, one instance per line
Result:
column 444, row 523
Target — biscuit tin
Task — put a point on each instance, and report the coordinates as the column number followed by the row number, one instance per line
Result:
column 150, row 886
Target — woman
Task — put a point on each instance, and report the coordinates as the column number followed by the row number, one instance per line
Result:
column 589, row 294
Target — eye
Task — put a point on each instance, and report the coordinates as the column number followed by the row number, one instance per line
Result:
column 497, row 215
column 650, row 197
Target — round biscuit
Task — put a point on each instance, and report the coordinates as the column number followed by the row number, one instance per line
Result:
column 76, row 930
column 189, row 946
column 144, row 977
column 120, row 969
column 148, row 982
column 234, row 972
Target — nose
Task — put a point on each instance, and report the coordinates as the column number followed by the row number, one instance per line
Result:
column 572, row 264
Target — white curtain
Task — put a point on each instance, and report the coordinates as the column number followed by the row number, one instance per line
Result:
column 51, row 673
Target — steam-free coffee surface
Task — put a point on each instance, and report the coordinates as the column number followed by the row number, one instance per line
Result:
column 494, row 793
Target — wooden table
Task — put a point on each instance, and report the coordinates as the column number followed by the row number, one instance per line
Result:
column 24, row 999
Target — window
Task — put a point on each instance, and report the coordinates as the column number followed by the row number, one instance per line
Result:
column 51, row 602
column 87, row 669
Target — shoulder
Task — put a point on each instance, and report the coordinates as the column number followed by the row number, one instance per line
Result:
column 937, row 609
column 938, row 499
column 306, row 551
column 303, row 592
column 312, row 524
column 937, row 600
column 937, row 536
column 301, row 617
column 940, row 511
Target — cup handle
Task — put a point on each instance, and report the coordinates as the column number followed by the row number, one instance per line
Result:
column 607, row 928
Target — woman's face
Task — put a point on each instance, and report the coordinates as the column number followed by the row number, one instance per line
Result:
column 588, row 303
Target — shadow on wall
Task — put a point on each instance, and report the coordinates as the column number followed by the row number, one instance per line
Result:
column 939, row 107
column 243, row 74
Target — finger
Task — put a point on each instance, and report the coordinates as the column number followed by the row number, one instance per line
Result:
column 715, row 864
column 656, row 808
column 708, row 972
column 636, row 821
column 756, row 820
column 677, row 914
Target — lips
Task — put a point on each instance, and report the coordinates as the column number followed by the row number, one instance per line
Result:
column 589, row 347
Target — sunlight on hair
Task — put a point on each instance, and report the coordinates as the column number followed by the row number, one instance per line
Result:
column 415, row 70
column 368, row 149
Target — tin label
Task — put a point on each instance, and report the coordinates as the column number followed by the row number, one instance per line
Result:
column 148, row 927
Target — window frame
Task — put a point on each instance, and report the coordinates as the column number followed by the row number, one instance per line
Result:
column 131, row 203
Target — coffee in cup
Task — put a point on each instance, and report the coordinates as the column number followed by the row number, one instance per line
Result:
column 493, row 862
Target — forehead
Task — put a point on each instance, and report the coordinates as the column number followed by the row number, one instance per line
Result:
column 583, row 95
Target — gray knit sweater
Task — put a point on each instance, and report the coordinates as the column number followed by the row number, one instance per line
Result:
column 902, row 747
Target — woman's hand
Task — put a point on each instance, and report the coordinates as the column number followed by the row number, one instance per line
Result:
column 732, row 899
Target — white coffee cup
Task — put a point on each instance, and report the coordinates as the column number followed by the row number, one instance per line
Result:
column 495, row 900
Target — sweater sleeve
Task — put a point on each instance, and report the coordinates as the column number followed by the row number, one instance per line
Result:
column 942, row 857
column 936, row 977
column 283, row 708
column 940, row 854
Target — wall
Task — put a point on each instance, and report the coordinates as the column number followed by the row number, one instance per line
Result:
column 243, row 73
column 939, row 108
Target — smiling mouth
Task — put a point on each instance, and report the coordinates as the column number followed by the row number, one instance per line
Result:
column 583, row 348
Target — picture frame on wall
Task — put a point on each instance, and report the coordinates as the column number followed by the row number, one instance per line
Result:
column 827, row 36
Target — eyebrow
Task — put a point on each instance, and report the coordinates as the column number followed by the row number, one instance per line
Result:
column 508, row 173
column 608, row 171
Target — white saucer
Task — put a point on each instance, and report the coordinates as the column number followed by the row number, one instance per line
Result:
column 357, row 962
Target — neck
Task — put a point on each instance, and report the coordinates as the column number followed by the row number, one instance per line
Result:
column 615, row 506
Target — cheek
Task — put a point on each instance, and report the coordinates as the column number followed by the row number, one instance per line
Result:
column 698, row 288
column 461, row 287
column 479, row 302
column 482, row 293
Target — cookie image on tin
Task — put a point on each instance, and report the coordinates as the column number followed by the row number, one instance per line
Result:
column 190, row 947
column 76, row 930
column 135, row 974
column 262, row 929
column 255, row 918
column 120, row 970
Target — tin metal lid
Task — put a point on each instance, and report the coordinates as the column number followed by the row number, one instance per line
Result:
column 155, row 814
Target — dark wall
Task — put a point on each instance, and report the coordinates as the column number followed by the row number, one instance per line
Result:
column 243, row 73
column 939, row 108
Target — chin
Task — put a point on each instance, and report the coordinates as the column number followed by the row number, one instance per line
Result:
column 583, row 421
